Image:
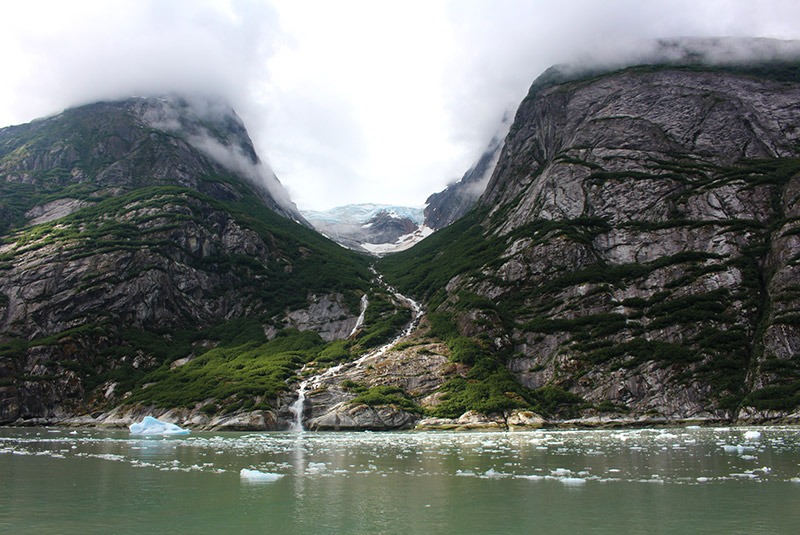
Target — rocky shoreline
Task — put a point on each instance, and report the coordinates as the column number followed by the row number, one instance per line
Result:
column 356, row 417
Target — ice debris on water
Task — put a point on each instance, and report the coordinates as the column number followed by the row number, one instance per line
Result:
column 153, row 426
column 572, row 481
column 752, row 435
column 256, row 476
column 316, row 468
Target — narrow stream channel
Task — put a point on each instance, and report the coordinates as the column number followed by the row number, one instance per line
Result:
column 297, row 409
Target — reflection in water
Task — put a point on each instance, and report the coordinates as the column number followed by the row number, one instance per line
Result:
column 299, row 463
column 412, row 482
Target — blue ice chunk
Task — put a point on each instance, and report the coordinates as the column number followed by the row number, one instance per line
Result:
column 154, row 426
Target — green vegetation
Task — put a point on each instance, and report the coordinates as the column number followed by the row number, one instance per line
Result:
column 489, row 387
column 704, row 336
column 778, row 397
column 383, row 320
column 424, row 270
column 147, row 224
column 382, row 395
column 239, row 376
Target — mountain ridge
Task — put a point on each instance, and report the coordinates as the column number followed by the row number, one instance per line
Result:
column 130, row 248
column 625, row 252
column 633, row 260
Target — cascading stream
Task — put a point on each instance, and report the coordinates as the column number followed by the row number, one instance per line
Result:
column 297, row 408
column 360, row 320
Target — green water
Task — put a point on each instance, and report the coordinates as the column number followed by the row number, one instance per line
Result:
column 683, row 480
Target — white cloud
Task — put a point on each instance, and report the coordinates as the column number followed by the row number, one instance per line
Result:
column 348, row 100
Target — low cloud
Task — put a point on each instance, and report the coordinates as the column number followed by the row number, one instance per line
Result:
column 353, row 100
column 187, row 115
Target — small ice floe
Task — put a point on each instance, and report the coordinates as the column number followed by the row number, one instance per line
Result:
column 739, row 448
column 153, row 426
column 316, row 468
column 532, row 477
column 256, row 476
column 491, row 473
column 572, row 481
column 752, row 435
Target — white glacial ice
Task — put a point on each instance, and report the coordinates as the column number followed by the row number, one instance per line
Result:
column 752, row 435
column 152, row 426
column 256, row 476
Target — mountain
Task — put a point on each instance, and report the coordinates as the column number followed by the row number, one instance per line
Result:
column 634, row 256
column 445, row 207
column 633, row 259
column 148, row 259
column 374, row 228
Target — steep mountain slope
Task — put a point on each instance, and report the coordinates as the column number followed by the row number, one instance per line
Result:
column 635, row 254
column 144, row 243
column 453, row 202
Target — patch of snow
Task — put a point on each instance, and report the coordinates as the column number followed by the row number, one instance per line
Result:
column 403, row 242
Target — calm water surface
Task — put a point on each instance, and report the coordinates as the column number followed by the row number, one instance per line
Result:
column 681, row 480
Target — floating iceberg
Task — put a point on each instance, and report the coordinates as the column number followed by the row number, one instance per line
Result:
column 256, row 476
column 752, row 435
column 154, row 426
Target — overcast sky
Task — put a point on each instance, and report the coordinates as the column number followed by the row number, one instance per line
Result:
column 348, row 101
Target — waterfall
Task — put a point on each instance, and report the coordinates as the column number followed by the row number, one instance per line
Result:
column 297, row 407
column 316, row 381
column 360, row 320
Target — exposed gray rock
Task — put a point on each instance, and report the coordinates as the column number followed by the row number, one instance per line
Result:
column 326, row 315
column 53, row 210
column 188, row 418
column 348, row 417
column 650, row 247
column 452, row 203
column 621, row 123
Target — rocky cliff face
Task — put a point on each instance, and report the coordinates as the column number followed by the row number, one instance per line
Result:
column 446, row 206
column 636, row 250
column 135, row 143
column 673, row 191
column 141, row 232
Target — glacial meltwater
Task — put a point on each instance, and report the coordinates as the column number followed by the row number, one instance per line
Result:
column 672, row 480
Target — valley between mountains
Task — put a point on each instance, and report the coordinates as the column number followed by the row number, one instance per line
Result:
column 628, row 254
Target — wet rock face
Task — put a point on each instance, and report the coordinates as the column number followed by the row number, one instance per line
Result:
column 649, row 223
column 352, row 417
column 419, row 370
